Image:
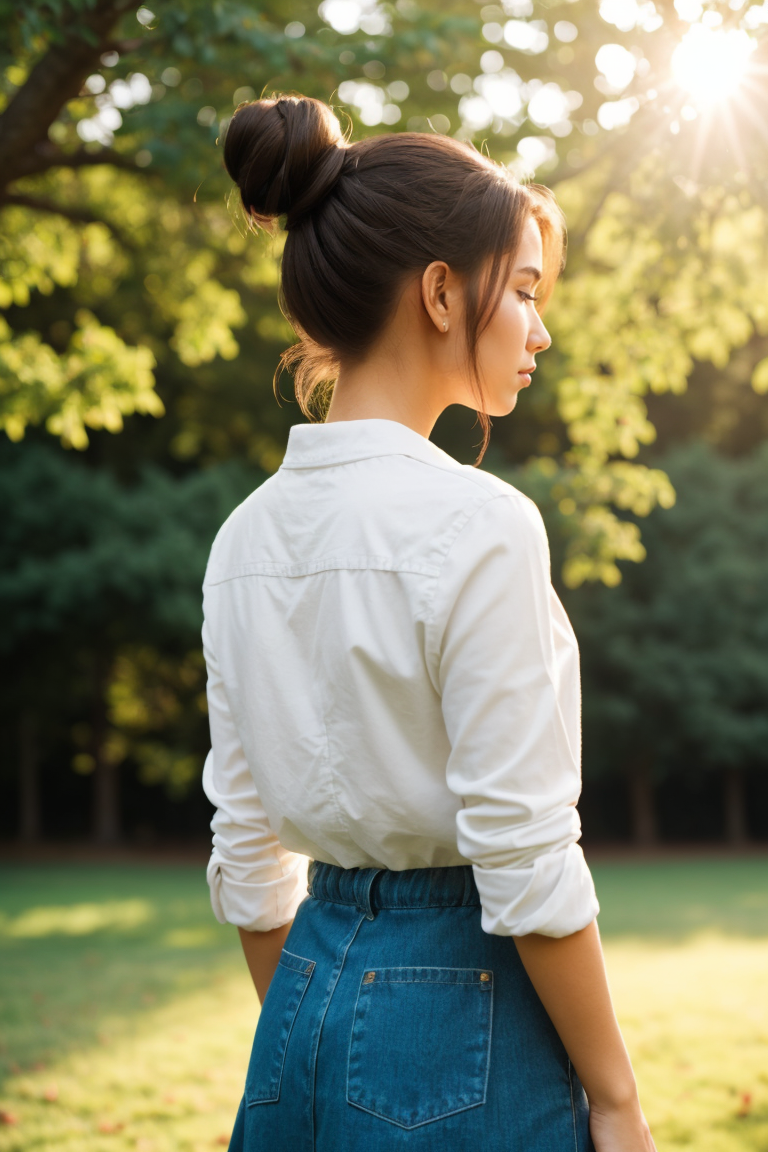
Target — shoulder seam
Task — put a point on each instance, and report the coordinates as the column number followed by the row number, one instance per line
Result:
column 468, row 474
column 512, row 494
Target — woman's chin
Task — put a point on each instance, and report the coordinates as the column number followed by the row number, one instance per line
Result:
column 503, row 407
column 499, row 406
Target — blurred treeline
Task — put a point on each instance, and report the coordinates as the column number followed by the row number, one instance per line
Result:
column 140, row 333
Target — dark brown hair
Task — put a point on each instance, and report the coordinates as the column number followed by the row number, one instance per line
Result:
column 362, row 218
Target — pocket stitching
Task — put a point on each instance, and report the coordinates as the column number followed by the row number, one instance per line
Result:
column 419, row 1123
column 573, row 1106
column 385, row 978
column 309, row 964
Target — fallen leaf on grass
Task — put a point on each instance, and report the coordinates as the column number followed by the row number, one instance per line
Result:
column 746, row 1105
column 51, row 1093
column 111, row 1126
column 8, row 1117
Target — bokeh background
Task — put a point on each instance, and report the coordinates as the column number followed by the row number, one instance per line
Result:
column 139, row 335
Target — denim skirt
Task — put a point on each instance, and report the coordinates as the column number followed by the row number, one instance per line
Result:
column 394, row 1022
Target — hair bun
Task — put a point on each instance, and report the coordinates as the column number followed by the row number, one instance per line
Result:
column 285, row 154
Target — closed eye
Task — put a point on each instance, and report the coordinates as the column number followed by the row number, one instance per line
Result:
column 526, row 295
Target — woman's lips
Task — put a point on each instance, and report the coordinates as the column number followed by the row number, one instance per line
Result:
column 525, row 377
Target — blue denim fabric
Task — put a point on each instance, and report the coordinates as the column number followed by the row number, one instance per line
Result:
column 394, row 1022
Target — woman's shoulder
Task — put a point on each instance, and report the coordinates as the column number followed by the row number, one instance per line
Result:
column 236, row 531
column 467, row 516
column 500, row 500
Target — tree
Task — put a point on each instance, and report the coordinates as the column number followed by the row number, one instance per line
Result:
column 675, row 660
column 102, row 582
column 135, row 300
column 102, row 196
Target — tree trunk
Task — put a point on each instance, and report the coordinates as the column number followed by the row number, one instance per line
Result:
column 54, row 79
column 106, row 776
column 29, row 777
column 641, row 799
column 735, row 807
column 106, row 803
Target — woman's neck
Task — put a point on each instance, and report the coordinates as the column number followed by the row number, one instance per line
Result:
column 409, row 375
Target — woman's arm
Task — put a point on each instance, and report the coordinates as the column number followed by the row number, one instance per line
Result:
column 506, row 665
column 262, row 952
column 255, row 882
column 568, row 973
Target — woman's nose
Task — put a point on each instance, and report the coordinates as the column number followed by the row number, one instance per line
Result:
column 538, row 338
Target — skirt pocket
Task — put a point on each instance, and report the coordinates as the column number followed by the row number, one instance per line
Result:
column 420, row 1043
column 278, row 1012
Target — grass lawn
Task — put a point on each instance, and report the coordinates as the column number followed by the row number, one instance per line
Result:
column 127, row 1015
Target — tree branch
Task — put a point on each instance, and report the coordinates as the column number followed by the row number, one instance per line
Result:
column 55, row 79
column 47, row 156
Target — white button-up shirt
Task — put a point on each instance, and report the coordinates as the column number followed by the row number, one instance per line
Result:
column 392, row 682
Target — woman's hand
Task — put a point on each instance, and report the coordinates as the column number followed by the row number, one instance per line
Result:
column 569, row 975
column 620, row 1129
column 262, row 952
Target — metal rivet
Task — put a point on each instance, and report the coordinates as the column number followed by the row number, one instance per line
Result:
column 370, row 977
column 484, row 976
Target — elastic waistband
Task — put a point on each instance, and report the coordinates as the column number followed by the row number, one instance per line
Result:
column 372, row 888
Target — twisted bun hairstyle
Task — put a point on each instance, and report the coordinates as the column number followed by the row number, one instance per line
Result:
column 285, row 155
column 363, row 218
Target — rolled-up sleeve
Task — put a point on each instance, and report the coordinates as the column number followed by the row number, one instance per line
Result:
column 255, row 883
column 507, row 667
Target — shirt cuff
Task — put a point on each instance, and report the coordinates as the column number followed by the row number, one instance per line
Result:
column 254, row 904
column 554, row 895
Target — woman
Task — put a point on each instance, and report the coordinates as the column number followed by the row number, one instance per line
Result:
column 393, row 684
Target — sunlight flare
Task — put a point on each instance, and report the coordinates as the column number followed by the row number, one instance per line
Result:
column 710, row 63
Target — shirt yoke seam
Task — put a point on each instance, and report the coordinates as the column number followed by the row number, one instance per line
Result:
column 315, row 567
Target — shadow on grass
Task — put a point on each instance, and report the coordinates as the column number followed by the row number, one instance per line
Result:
column 86, row 950
column 668, row 902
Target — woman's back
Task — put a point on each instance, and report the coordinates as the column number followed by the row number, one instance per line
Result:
column 396, row 664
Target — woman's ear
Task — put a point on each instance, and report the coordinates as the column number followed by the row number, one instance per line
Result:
column 437, row 294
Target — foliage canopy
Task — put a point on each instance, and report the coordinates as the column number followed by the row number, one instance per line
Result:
column 128, row 289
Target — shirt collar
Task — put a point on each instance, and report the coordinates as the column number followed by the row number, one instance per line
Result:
column 342, row 441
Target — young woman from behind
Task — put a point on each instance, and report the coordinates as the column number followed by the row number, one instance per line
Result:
column 393, row 684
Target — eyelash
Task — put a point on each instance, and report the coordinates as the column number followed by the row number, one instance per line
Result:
column 527, row 296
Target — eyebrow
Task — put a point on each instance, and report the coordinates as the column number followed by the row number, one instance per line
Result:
column 535, row 273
